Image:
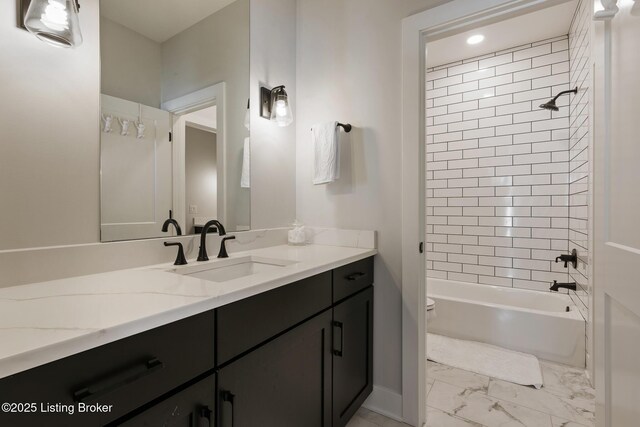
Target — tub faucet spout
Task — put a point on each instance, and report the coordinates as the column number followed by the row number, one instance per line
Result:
column 556, row 286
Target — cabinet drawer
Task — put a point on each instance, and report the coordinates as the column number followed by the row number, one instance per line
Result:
column 191, row 407
column 351, row 278
column 126, row 374
column 250, row 322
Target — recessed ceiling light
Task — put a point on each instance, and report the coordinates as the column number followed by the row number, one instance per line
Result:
column 475, row 39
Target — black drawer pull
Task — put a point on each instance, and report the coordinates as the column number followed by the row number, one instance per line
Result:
column 117, row 381
column 227, row 396
column 205, row 417
column 355, row 276
column 339, row 325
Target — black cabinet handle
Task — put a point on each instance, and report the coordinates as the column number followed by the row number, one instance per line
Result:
column 355, row 276
column 205, row 417
column 117, row 381
column 227, row 396
column 339, row 325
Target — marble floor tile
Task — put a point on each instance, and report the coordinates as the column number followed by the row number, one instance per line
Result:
column 429, row 385
column 358, row 421
column 566, row 381
column 438, row 418
column 578, row 410
column 559, row 422
column 457, row 398
column 457, row 377
column 483, row 409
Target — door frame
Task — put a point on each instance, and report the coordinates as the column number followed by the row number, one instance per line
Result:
column 178, row 107
column 416, row 30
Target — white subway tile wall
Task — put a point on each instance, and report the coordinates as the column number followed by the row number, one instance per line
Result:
column 579, row 165
column 498, row 167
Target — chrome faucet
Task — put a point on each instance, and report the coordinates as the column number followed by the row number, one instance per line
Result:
column 202, row 254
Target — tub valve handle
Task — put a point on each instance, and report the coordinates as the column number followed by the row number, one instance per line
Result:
column 571, row 258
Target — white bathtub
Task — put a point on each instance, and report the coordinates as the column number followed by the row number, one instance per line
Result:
column 528, row 321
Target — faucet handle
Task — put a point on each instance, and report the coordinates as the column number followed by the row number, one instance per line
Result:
column 223, row 247
column 180, row 258
column 570, row 258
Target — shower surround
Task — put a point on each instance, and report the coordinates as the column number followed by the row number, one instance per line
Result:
column 498, row 167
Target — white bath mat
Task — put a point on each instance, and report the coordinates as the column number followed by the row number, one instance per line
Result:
column 485, row 359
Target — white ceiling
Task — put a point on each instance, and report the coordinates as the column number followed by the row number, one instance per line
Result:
column 539, row 25
column 160, row 20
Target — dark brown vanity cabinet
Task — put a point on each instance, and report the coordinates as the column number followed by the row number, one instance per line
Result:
column 316, row 373
column 299, row 355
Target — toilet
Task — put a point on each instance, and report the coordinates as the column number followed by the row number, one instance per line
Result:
column 431, row 309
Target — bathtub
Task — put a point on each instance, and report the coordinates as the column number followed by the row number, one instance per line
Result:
column 532, row 322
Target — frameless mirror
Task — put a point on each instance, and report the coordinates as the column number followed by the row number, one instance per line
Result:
column 174, row 116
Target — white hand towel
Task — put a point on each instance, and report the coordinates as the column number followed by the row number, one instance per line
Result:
column 326, row 152
column 245, row 179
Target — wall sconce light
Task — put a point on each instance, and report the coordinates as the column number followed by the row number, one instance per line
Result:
column 53, row 21
column 274, row 105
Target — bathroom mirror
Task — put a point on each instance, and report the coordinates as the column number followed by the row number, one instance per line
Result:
column 174, row 116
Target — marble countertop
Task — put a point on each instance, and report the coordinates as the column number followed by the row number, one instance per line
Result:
column 44, row 322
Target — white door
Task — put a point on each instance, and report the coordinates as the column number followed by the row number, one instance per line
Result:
column 136, row 173
column 617, row 218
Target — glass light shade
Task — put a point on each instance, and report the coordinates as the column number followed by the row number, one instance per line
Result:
column 280, row 109
column 55, row 22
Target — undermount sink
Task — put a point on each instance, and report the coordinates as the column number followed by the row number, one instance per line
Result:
column 233, row 268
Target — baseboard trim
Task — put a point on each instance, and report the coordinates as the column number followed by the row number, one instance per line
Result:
column 385, row 402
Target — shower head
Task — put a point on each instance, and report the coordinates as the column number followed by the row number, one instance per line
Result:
column 551, row 105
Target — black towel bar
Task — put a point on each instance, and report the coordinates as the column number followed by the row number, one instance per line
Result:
column 346, row 126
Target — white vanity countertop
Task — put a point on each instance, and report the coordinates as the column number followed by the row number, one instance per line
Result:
column 44, row 322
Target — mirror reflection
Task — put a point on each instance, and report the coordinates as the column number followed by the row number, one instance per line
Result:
column 174, row 117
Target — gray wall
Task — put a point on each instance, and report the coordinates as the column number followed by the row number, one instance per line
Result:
column 273, row 149
column 348, row 51
column 201, row 168
column 49, row 155
column 130, row 64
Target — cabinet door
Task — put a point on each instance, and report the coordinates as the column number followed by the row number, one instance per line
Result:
column 352, row 355
column 285, row 383
column 192, row 407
